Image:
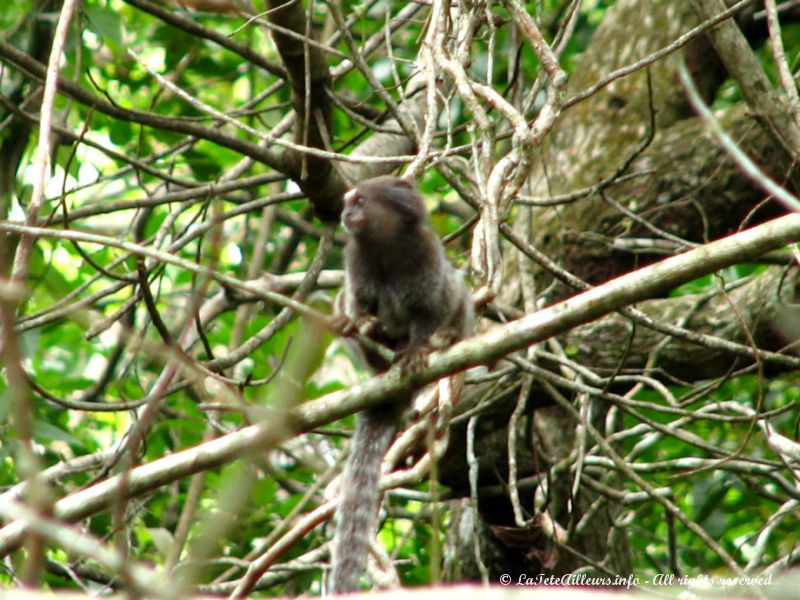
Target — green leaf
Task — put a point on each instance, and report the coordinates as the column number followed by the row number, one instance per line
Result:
column 45, row 431
column 106, row 23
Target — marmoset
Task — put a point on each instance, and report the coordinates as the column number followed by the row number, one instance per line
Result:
column 402, row 292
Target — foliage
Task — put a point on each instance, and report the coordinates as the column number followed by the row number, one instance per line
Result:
column 89, row 342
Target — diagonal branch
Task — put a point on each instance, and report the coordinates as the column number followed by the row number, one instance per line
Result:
column 309, row 79
column 486, row 347
column 744, row 66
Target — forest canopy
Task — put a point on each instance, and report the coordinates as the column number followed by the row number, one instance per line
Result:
column 616, row 179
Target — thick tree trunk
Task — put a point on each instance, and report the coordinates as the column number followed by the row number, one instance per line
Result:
column 680, row 189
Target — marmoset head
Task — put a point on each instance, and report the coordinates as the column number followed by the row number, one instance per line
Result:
column 382, row 208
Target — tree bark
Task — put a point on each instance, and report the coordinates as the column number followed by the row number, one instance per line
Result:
column 682, row 189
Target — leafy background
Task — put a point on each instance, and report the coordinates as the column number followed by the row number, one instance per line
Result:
column 67, row 346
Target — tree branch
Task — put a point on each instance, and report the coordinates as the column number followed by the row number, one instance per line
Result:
column 489, row 346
